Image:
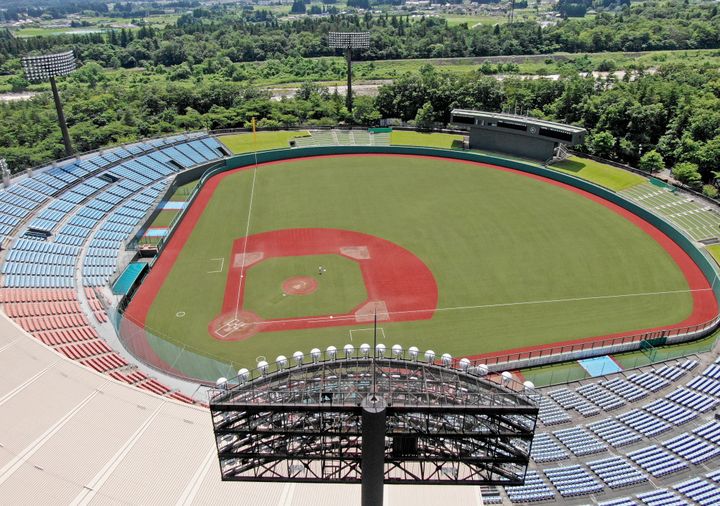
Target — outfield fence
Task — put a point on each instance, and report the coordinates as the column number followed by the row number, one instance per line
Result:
column 183, row 361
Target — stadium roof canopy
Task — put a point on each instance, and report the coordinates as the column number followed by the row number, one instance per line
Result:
column 514, row 118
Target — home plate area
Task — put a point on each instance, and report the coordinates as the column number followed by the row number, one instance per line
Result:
column 234, row 326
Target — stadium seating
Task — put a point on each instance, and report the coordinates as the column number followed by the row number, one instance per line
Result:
column 700, row 221
column 78, row 215
column 357, row 137
column 534, row 490
column 661, row 497
column 616, row 472
column 656, row 461
column 572, row 481
column 614, row 432
column 546, row 449
column 700, row 491
column 580, row 441
column 691, row 448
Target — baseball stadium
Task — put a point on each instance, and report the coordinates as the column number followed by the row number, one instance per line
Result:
column 144, row 285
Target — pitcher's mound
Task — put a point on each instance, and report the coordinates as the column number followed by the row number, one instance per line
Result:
column 235, row 326
column 299, row 285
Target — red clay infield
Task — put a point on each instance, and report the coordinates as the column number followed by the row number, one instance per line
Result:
column 398, row 283
column 704, row 302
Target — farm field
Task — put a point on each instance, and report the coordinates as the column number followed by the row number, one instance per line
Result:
column 516, row 261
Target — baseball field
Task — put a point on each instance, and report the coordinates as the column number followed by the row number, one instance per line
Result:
column 458, row 257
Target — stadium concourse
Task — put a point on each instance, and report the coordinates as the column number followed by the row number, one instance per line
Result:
column 81, row 421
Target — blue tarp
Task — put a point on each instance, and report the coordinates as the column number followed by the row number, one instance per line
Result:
column 600, row 366
column 172, row 204
column 127, row 279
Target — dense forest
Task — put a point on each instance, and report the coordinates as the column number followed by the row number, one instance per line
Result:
column 188, row 77
column 259, row 35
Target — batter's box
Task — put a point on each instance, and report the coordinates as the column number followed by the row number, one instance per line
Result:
column 366, row 334
column 234, row 326
column 230, row 327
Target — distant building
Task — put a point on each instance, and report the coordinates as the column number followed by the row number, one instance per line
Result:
column 516, row 135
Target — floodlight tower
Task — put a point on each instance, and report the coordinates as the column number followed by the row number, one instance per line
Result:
column 48, row 67
column 373, row 417
column 349, row 41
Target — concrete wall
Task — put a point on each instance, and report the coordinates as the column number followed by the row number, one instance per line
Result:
column 516, row 144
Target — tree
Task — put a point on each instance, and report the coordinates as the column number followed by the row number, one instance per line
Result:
column 364, row 111
column 710, row 191
column 652, row 161
column 425, row 117
column 602, row 144
column 298, row 7
column 18, row 83
column 688, row 174
column 708, row 156
column 90, row 73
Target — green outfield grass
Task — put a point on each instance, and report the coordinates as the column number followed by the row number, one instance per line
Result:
column 599, row 173
column 243, row 143
column 518, row 262
column 431, row 140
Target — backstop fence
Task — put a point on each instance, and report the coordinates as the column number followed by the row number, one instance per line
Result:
column 160, row 352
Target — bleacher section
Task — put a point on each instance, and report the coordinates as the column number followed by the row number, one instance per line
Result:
column 616, row 472
column 535, row 489
column 343, row 138
column 631, row 426
column 698, row 219
column 71, row 222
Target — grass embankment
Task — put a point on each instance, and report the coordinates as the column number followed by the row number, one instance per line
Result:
column 599, row 173
column 714, row 250
column 244, row 143
column 430, row 140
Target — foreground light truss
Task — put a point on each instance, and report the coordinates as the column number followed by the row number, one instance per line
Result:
column 341, row 416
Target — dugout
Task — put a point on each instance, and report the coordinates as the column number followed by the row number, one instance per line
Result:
column 516, row 135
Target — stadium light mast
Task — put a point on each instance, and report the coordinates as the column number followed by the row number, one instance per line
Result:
column 48, row 67
column 372, row 418
column 349, row 41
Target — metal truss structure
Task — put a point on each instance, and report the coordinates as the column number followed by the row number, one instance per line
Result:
column 347, row 41
column 318, row 421
column 46, row 68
